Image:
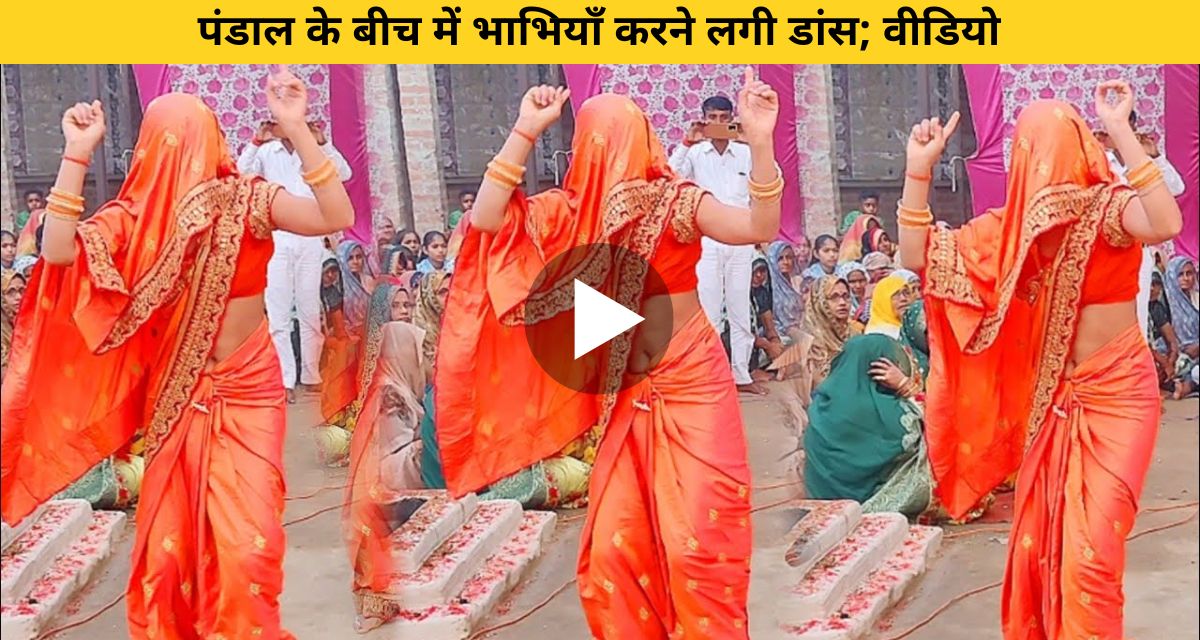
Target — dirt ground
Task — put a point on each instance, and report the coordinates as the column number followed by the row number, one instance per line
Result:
column 316, row 601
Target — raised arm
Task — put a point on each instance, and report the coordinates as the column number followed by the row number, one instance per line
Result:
column 758, row 108
column 540, row 108
column 83, row 129
column 926, row 143
column 1153, row 216
column 331, row 210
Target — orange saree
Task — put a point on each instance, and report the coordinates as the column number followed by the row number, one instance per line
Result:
column 119, row 343
column 672, row 461
column 1003, row 296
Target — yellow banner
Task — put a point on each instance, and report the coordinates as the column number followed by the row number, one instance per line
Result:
column 619, row 31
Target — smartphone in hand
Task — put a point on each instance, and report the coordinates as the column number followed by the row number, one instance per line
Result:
column 717, row 131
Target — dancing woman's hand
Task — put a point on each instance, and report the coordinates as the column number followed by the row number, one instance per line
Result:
column 541, row 107
column 83, row 128
column 287, row 98
column 758, row 109
column 927, row 142
column 1114, row 115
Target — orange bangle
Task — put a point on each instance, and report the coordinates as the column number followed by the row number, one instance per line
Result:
column 912, row 176
column 528, row 136
column 79, row 161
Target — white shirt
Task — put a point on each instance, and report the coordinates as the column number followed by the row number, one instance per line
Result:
column 274, row 162
column 1175, row 186
column 726, row 175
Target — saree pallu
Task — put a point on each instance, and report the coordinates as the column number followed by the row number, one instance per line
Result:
column 1077, row 498
column 666, row 548
column 208, row 556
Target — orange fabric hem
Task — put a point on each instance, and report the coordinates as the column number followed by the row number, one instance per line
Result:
column 1077, row 498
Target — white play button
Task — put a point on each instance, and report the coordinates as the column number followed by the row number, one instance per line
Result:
column 598, row 319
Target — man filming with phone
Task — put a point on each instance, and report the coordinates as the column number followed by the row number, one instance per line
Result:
column 712, row 156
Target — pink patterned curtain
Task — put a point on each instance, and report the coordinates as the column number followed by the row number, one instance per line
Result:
column 234, row 93
column 671, row 95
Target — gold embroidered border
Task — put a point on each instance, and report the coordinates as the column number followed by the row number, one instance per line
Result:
column 263, row 195
column 683, row 221
column 210, row 283
column 103, row 272
column 946, row 274
column 1113, row 216
column 1067, row 289
column 1051, row 207
column 162, row 281
column 627, row 202
column 643, row 241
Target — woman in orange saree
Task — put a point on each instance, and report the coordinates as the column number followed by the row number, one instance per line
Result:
column 1037, row 362
column 666, row 545
column 150, row 314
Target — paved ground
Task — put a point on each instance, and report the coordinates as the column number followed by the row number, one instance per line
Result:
column 1162, row 566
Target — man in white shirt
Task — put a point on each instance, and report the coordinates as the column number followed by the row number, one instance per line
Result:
column 1174, row 184
column 294, row 272
column 723, row 168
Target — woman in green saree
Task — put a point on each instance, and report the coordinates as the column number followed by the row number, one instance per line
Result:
column 864, row 441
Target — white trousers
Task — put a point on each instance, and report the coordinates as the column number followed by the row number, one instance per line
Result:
column 294, row 282
column 1145, row 280
column 724, row 288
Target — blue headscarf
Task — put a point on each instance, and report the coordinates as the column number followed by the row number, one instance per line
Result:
column 787, row 307
column 1184, row 315
column 355, row 297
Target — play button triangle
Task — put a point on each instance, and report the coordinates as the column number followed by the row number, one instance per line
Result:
column 598, row 319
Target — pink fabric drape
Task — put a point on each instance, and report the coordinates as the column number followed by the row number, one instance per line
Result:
column 584, row 80
column 348, row 124
column 986, row 167
column 1183, row 147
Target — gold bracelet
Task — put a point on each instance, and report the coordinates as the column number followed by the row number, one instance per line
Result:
column 913, row 218
column 510, row 172
column 500, row 180
column 54, row 202
column 67, row 196
column 767, row 196
column 55, row 209
column 767, row 187
column 320, row 174
column 510, row 167
column 1154, row 184
column 1141, row 172
column 1145, row 179
column 324, row 178
column 501, row 177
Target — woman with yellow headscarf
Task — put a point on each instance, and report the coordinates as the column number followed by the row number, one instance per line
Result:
column 888, row 302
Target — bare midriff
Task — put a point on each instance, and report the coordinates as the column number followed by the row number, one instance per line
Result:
column 242, row 317
column 1098, row 325
column 665, row 315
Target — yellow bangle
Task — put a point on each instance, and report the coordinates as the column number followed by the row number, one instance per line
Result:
column 509, row 166
column 500, row 180
column 66, row 196
column 1154, row 184
column 320, row 174
column 58, row 204
column 510, row 172
column 1145, row 179
column 55, row 209
column 1141, row 172
column 913, row 218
